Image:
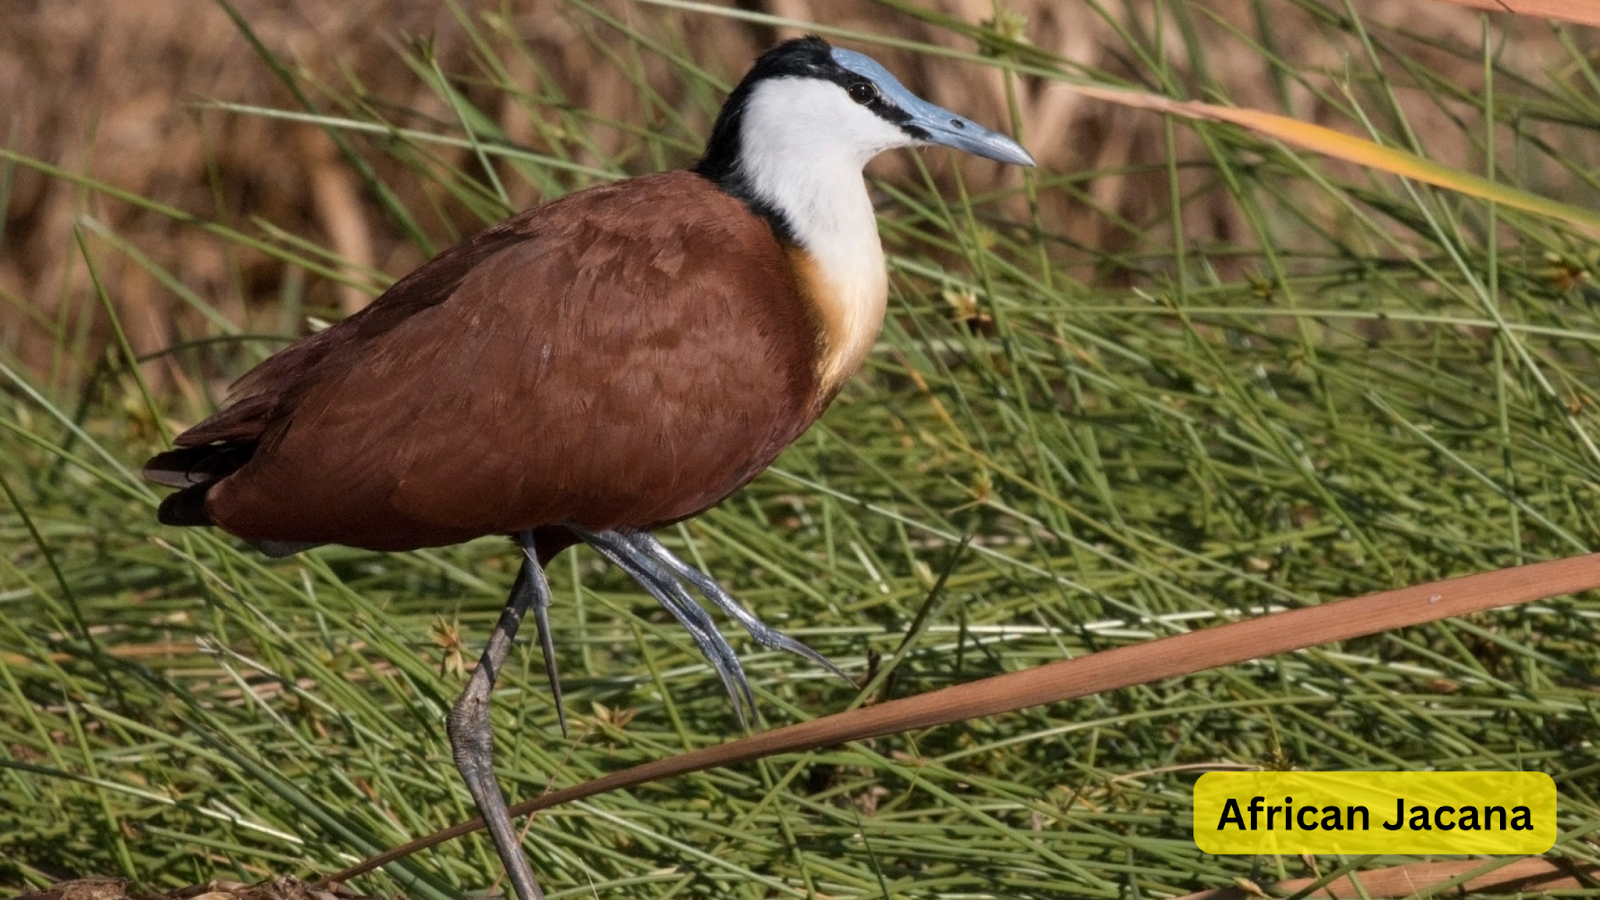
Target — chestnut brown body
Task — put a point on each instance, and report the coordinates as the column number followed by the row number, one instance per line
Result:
column 591, row 361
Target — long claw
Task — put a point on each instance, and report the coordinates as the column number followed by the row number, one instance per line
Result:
column 541, row 623
column 540, row 605
column 764, row 634
column 661, row 585
column 666, row 589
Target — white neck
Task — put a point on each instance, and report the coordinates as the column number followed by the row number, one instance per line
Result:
column 802, row 146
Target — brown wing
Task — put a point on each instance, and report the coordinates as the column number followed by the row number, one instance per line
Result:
column 625, row 356
column 272, row 389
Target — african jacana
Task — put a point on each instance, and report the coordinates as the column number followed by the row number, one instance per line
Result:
column 591, row 370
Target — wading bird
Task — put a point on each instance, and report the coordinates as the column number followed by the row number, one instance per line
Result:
column 590, row 370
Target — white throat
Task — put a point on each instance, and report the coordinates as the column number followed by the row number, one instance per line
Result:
column 803, row 143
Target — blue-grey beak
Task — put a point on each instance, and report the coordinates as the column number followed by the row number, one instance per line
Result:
column 930, row 123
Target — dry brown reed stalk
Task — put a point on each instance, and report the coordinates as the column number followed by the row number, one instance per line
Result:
column 1584, row 12
column 1528, row 875
column 339, row 210
column 109, row 89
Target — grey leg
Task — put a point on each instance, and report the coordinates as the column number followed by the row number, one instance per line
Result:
column 764, row 634
column 472, row 738
column 661, row 584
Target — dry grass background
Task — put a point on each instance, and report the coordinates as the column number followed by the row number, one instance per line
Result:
column 118, row 91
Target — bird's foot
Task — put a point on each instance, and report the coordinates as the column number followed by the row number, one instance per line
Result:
column 662, row 585
column 658, row 571
column 764, row 634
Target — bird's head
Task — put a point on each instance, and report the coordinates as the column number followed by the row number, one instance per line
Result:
column 809, row 108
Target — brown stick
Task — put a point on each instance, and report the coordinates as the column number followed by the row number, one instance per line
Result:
column 1120, row 667
column 1584, row 12
column 1530, row 874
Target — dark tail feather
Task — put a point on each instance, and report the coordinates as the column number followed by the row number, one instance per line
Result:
column 190, row 466
column 194, row 470
column 186, row 507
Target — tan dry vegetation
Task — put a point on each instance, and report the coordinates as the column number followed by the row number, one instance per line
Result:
column 115, row 91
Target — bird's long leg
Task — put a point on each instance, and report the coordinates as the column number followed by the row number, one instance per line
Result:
column 764, row 634
column 472, row 738
column 662, row 585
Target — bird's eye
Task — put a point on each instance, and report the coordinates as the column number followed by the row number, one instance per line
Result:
column 863, row 92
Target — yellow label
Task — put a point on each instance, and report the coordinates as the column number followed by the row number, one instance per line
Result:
column 1375, row 812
